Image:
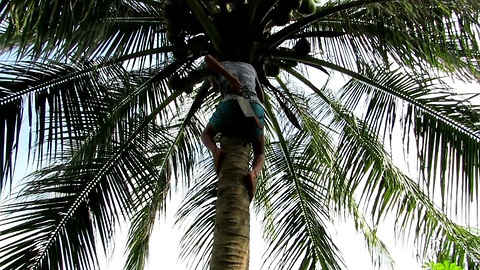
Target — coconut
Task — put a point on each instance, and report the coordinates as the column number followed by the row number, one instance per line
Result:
column 271, row 70
column 281, row 16
column 302, row 47
column 307, row 7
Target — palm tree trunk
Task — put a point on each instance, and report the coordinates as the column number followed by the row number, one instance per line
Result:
column 231, row 239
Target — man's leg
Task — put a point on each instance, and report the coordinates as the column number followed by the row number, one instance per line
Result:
column 208, row 139
column 257, row 166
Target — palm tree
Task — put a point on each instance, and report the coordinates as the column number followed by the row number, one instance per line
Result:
column 112, row 97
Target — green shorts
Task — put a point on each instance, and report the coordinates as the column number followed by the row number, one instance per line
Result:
column 228, row 118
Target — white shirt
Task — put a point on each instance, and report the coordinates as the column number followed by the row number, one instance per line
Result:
column 247, row 76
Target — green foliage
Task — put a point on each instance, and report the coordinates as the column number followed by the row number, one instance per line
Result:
column 445, row 265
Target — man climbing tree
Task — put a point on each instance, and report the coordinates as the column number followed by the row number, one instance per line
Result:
column 240, row 113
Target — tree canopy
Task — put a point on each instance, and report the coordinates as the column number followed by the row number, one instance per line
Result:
column 112, row 95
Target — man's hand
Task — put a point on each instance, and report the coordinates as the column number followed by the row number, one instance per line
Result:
column 214, row 65
column 237, row 86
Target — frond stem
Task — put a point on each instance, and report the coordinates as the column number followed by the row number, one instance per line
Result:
column 83, row 72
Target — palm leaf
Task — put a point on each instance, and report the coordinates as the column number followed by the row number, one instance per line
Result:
column 62, row 97
column 98, row 179
column 371, row 169
column 444, row 126
column 177, row 155
column 61, row 218
column 440, row 34
column 196, row 214
column 301, row 212
column 52, row 21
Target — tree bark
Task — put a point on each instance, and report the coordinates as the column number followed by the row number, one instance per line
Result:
column 231, row 239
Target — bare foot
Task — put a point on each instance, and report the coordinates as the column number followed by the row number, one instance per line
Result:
column 218, row 157
column 251, row 182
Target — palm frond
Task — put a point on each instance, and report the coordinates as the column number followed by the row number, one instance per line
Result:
column 70, row 103
column 52, row 22
column 121, row 144
column 461, row 119
column 197, row 215
column 133, row 28
column 445, row 128
column 174, row 160
column 299, row 198
column 371, row 169
column 360, row 168
column 59, row 224
column 56, row 102
column 439, row 35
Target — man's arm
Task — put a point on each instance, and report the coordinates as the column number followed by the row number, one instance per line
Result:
column 214, row 65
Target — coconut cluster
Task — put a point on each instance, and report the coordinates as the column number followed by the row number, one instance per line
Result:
column 283, row 12
column 183, row 28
